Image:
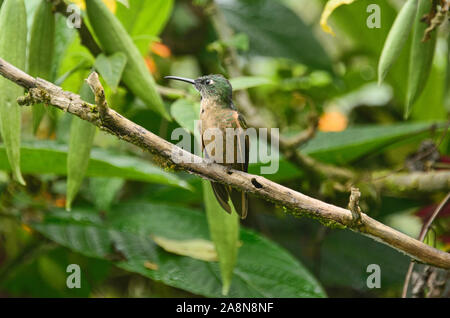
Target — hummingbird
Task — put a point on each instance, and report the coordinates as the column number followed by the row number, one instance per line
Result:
column 217, row 111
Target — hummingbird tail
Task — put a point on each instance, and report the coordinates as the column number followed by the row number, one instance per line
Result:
column 240, row 202
column 238, row 198
column 221, row 193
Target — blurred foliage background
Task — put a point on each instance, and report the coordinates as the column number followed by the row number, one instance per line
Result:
column 296, row 77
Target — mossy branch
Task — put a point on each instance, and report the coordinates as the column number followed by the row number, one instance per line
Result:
column 296, row 203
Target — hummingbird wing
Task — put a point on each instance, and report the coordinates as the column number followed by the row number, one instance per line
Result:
column 220, row 191
column 239, row 198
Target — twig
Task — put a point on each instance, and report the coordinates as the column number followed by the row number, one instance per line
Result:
column 415, row 182
column 171, row 156
column 353, row 206
column 99, row 93
column 302, row 137
column 422, row 236
column 318, row 168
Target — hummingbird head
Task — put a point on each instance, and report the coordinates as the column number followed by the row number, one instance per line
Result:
column 210, row 86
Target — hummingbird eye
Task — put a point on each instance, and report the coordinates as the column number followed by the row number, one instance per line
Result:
column 209, row 82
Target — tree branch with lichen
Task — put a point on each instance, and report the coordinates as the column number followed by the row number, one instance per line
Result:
column 171, row 156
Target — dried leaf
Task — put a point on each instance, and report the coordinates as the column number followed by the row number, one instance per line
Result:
column 150, row 265
column 195, row 248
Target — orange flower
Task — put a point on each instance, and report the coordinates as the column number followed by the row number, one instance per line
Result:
column 150, row 64
column 333, row 121
column 160, row 49
column 26, row 228
column 60, row 202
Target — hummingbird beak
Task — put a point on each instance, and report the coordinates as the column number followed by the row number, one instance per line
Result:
column 183, row 79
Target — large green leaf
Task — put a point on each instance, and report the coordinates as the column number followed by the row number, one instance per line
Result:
column 447, row 79
column 352, row 143
column 103, row 191
column 263, row 269
column 397, row 37
column 64, row 36
column 276, row 31
column 44, row 275
column 50, row 158
column 111, row 68
column 345, row 31
column 224, row 229
column 341, row 266
column 144, row 20
column 82, row 135
column 114, row 38
column 430, row 106
column 357, row 14
column 185, row 112
column 41, row 50
column 13, row 46
column 421, row 57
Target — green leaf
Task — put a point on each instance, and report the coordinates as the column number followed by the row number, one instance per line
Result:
column 41, row 157
column 358, row 15
column 355, row 142
column 75, row 64
column 397, row 37
column 342, row 267
column 144, row 19
column 224, row 231
column 263, row 268
column 246, row 82
column 239, row 41
column 35, row 279
column 103, row 191
column 185, row 112
column 64, row 36
column 82, row 135
column 13, row 46
column 111, row 68
column 275, row 31
column 430, row 105
column 447, row 78
column 41, row 49
column 114, row 38
column 421, row 57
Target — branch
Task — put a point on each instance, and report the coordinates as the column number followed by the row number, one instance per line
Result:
column 353, row 205
column 169, row 155
column 422, row 235
column 99, row 93
column 415, row 182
